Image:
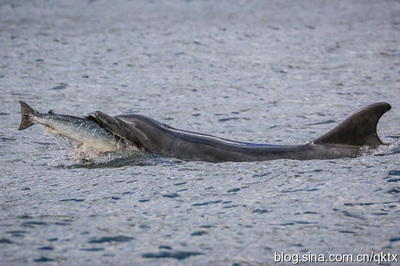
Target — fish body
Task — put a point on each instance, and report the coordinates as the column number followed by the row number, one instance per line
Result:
column 83, row 131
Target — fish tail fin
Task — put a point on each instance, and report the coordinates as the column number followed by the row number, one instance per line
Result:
column 26, row 116
column 360, row 129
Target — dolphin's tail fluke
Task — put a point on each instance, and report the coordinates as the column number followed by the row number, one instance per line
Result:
column 359, row 129
column 27, row 113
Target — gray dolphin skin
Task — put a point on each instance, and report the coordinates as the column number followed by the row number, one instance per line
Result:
column 345, row 140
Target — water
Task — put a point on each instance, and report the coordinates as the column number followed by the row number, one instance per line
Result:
column 274, row 72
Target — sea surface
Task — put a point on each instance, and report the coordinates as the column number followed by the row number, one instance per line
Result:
column 278, row 72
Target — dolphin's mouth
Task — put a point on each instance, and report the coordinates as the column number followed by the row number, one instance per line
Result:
column 110, row 124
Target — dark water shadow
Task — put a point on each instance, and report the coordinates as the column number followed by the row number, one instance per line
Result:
column 112, row 163
column 178, row 255
column 118, row 162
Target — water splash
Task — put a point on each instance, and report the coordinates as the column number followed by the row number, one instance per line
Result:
column 84, row 156
column 387, row 149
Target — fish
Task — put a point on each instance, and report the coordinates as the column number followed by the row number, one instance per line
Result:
column 86, row 132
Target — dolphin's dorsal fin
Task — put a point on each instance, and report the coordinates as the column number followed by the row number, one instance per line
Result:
column 359, row 129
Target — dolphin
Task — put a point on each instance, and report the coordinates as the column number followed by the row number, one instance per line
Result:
column 348, row 139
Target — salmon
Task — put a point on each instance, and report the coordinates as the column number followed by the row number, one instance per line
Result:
column 81, row 130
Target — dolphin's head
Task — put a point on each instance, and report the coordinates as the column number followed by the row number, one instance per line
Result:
column 108, row 122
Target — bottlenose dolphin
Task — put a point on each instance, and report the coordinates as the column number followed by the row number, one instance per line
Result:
column 345, row 140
